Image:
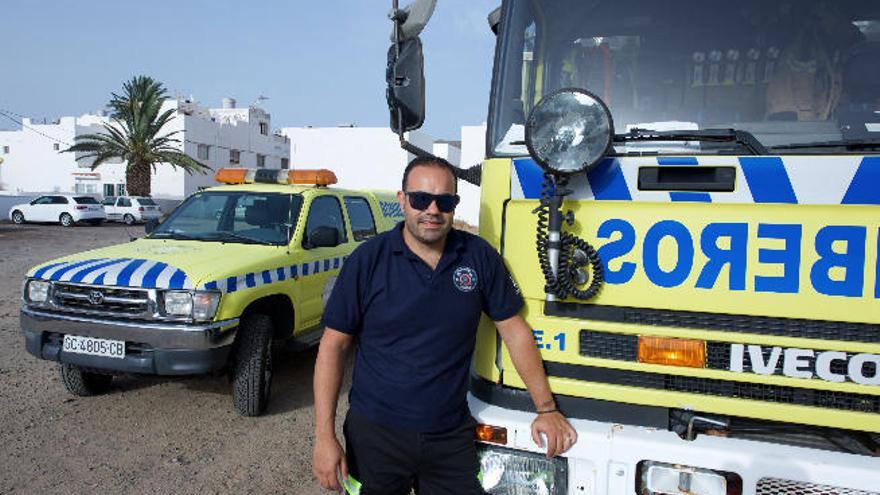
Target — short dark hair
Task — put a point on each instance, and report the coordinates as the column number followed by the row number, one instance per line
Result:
column 429, row 161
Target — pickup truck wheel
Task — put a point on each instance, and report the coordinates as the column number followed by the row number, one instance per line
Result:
column 66, row 220
column 252, row 370
column 83, row 383
column 128, row 219
column 17, row 217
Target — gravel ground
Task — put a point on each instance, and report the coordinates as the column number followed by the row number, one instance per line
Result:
column 148, row 435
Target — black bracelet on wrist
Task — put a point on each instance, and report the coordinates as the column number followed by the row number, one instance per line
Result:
column 548, row 411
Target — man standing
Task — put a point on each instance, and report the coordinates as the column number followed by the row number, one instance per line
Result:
column 411, row 298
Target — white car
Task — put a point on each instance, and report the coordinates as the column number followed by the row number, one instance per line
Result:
column 64, row 209
column 131, row 209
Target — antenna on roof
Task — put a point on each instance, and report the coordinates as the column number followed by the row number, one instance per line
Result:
column 258, row 100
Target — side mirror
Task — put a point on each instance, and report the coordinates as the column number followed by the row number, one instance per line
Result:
column 405, row 76
column 323, row 237
column 151, row 225
column 494, row 20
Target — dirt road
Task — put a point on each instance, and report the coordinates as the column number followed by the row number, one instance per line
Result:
column 147, row 435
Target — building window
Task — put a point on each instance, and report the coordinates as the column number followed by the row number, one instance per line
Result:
column 120, row 189
column 285, row 163
column 6, row 150
column 203, row 152
column 264, row 128
column 56, row 147
column 261, row 161
column 108, row 189
column 234, row 157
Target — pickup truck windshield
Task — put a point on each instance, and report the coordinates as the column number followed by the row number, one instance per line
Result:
column 233, row 216
column 787, row 72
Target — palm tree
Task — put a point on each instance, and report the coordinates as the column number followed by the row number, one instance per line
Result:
column 133, row 135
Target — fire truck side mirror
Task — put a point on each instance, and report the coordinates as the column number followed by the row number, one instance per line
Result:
column 405, row 76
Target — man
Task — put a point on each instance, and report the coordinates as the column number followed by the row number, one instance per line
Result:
column 412, row 298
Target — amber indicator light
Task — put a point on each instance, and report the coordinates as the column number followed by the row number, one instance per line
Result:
column 491, row 434
column 672, row 352
column 231, row 175
column 319, row 177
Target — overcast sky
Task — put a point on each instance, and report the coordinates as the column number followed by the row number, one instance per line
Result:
column 320, row 63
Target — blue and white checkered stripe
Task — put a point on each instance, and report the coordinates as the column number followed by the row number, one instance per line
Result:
column 271, row 276
column 848, row 180
column 117, row 272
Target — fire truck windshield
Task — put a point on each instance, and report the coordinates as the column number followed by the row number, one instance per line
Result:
column 788, row 72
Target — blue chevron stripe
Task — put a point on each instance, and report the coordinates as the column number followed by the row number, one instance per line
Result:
column 71, row 266
column 152, row 275
column 865, row 186
column 124, row 277
column 39, row 273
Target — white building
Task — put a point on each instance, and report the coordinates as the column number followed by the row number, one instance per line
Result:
column 371, row 158
column 217, row 137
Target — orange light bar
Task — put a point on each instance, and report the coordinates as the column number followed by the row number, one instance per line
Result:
column 491, row 434
column 231, row 175
column 672, row 352
column 318, row 177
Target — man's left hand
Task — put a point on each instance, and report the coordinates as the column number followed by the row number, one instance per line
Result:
column 559, row 434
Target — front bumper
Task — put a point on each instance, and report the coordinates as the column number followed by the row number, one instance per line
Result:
column 605, row 458
column 151, row 347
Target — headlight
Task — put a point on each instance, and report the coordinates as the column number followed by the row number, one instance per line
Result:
column 658, row 478
column 513, row 472
column 569, row 131
column 198, row 305
column 37, row 291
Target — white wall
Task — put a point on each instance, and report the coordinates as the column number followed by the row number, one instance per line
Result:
column 33, row 166
column 366, row 158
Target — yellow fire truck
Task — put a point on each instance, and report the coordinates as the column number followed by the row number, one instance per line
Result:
column 234, row 272
column 688, row 194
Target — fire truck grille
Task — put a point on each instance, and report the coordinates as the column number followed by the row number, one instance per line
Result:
column 719, row 388
column 775, row 486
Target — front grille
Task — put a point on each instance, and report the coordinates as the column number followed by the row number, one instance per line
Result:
column 112, row 301
column 776, row 486
column 719, row 388
column 624, row 347
column 784, row 327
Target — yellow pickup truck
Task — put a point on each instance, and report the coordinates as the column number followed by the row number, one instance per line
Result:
column 232, row 273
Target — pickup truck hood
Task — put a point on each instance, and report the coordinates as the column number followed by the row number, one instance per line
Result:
column 163, row 264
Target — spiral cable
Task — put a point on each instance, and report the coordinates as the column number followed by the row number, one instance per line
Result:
column 562, row 285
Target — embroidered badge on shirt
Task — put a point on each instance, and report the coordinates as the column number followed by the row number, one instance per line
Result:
column 465, row 278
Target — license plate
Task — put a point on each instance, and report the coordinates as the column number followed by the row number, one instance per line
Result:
column 94, row 347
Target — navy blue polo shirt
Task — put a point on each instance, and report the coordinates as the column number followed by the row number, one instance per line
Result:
column 416, row 327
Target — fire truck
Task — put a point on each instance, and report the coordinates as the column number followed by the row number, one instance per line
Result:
column 688, row 195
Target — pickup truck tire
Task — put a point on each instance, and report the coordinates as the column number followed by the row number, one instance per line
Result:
column 252, row 370
column 83, row 383
column 66, row 220
column 17, row 217
column 128, row 218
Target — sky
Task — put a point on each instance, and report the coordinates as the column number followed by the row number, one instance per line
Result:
column 320, row 63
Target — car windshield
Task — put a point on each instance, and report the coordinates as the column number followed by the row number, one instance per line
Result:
column 788, row 72
column 146, row 201
column 85, row 200
column 233, row 216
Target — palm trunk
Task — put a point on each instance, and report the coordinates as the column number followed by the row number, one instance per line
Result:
column 137, row 177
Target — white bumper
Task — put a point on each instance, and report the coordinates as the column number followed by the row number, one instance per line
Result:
column 604, row 459
column 79, row 215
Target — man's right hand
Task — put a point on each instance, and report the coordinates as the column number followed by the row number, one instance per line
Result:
column 328, row 461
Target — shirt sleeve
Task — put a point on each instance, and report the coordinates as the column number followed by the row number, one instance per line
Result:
column 501, row 295
column 344, row 308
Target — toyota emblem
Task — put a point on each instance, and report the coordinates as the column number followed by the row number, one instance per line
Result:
column 96, row 297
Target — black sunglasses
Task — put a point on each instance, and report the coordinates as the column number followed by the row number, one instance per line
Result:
column 421, row 201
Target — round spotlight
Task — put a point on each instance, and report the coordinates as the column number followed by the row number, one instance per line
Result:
column 569, row 131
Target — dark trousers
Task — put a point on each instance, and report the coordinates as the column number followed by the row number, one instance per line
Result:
column 390, row 462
